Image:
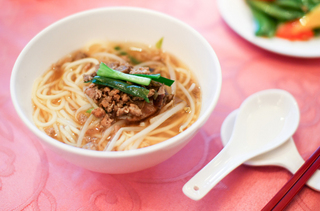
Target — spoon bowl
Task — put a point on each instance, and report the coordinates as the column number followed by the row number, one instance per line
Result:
column 265, row 120
column 286, row 155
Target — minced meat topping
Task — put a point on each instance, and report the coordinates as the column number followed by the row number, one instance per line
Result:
column 114, row 104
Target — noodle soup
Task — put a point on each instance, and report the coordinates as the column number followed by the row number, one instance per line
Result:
column 71, row 108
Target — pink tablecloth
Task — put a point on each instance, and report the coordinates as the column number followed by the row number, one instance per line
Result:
column 34, row 178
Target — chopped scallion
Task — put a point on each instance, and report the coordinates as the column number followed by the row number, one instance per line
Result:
column 106, row 71
column 159, row 43
column 134, row 90
column 117, row 48
column 158, row 78
column 89, row 110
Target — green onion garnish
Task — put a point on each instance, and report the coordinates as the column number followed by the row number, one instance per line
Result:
column 106, row 71
column 159, row 43
column 158, row 78
column 134, row 90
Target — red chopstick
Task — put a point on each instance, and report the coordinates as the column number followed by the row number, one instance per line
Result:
column 294, row 185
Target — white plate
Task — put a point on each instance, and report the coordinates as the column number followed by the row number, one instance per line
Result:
column 238, row 16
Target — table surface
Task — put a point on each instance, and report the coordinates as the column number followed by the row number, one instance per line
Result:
column 34, row 178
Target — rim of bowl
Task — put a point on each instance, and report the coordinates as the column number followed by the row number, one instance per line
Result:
column 114, row 154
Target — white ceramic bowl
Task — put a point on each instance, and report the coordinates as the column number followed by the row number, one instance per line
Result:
column 116, row 24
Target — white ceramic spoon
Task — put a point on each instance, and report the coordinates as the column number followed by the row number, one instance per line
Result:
column 265, row 121
column 286, row 155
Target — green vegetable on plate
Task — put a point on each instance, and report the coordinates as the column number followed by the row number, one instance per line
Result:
column 266, row 26
column 275, row 11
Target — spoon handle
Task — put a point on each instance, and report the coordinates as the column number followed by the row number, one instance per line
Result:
column 200, row 184
column 294, row 161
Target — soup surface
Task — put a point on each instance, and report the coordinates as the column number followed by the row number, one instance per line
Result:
column 78, row 103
